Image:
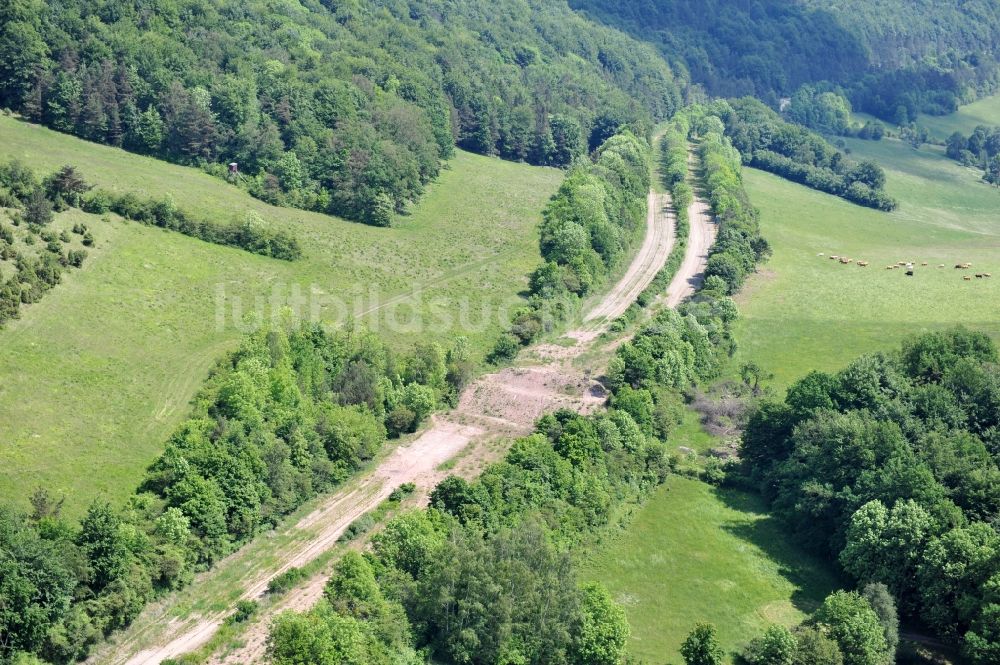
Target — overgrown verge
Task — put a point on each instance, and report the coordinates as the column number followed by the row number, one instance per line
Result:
column 891, row 469
column 292, row 413
column 767, row 142
column 585, row 232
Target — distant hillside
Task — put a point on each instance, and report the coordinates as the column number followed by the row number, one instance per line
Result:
column 338, row 106
column 887, row 54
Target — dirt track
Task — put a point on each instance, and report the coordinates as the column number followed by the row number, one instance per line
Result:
column 700, row 239
column 656, row 245
column 502, row 404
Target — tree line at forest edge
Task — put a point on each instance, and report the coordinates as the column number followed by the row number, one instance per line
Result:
column 980, row 149
column 892, row 59
column 347, row 107
column 891, row 468
column 769, row 143
column 290, row 414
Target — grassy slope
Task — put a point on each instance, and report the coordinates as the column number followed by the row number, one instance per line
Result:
column 985, row 111
column 94, row 377
column 696, row 553
column 803, row 311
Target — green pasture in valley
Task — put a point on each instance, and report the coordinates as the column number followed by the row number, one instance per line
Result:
column 804, row 311
column 985, row 111
column 695, row 553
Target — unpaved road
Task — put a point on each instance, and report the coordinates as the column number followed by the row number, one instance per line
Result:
column 417, row 462
column 700, row 239
column 502, row 404
column 656, row 245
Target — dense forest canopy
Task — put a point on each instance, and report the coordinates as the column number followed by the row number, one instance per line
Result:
column 890, row 467
column 345, row 107
column 887, row 55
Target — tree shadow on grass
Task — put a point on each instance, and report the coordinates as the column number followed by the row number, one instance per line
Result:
column 812, row 577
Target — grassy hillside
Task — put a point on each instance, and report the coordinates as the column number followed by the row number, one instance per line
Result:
column 804, row 312
column 95, row 376
column 694, row 553
column 986, row 111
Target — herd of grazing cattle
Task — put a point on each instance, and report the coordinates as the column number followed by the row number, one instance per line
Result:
column 908, row 265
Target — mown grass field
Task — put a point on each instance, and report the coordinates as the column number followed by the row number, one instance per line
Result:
column 985, row 111
column 695, row 553
column 804, row 312
column 95, row 376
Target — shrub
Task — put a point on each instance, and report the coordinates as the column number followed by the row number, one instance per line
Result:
column 243, row 611
column 403, row 491
column 505, row 349
column 282, row 582
column 358, row 527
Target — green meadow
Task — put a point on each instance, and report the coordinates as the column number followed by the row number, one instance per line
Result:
column 95, row 376
column 985, row 111
column 696, row 553
column 803, row 311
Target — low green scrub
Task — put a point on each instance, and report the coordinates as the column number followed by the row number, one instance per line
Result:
column 372, row 518
column 286, row 581
column 244, row 611
column 250, row 233
column 38, row 252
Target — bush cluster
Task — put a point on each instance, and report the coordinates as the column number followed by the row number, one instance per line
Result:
column 767, row 142
column 250, row 232
column 980, row 149
column 33, row 203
